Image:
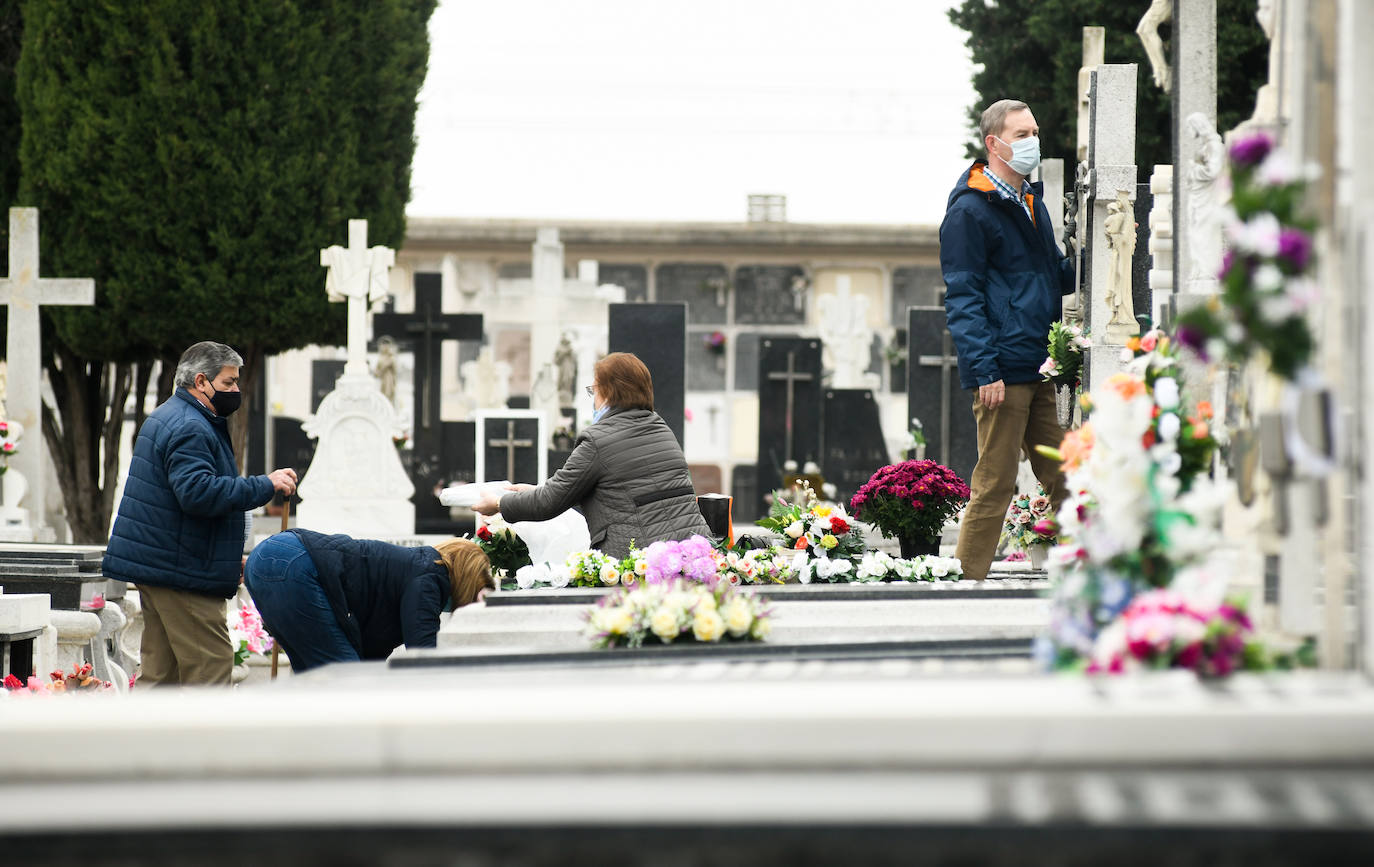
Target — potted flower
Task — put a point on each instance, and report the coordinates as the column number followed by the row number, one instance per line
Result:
column 911, row 501
column 1031, row 526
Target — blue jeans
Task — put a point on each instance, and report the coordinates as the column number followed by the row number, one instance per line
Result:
column 286, row 588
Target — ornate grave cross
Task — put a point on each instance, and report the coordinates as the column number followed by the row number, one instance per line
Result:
column 948, row 362
column 426, row 329
column 357, row 274
column 790, row 377
column 510, row 444
column 23, row 292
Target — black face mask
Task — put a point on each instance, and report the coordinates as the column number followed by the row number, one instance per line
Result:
column 225, row 402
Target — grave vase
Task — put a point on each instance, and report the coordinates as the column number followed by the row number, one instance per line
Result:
column 1063, row 404
column 1037, row 554
column 915, row 546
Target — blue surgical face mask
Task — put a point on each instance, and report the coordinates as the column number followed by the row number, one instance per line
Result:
column 1025, row 154
column 596, row 416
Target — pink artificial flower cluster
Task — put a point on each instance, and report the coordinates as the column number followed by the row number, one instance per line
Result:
column 692, row 558
column 79, row 678
column 1162, row 629
column 250, row 629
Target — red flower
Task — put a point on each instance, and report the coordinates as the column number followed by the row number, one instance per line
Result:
column 801, row 543
column 838, row 526
column 483, row 533
column 12, row 682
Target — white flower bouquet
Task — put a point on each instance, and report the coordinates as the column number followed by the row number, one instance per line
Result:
column 677, row 611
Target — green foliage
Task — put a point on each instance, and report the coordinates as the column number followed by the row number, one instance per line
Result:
column 194, row 156
column 1032, row 50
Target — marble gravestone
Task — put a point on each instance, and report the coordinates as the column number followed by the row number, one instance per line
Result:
column 934, row 395
column 853, row 435
column 789, row 407
column 509, row 446
column 657, row 334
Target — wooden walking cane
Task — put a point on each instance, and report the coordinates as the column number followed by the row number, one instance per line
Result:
column 276, row 643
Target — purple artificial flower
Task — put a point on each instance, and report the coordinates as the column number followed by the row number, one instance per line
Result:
column 1295, row 247
column 1192, row 338
column 1227, row 260
column 1251, row 150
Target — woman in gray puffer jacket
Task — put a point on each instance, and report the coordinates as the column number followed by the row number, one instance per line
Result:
column 626, row 473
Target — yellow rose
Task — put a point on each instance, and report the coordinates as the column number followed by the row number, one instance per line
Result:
column 664, row 624
column 822, row 511
column 829, row 541
column 708, row 625
column 762, row 628
column 738, row 618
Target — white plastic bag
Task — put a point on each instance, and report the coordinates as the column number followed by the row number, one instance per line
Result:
column 552, row 541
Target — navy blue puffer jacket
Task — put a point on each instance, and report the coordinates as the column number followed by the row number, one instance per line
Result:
column 180, row 523
column 1004, row 276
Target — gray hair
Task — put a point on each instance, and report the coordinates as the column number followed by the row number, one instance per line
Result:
column 207, row 357
column 994, row 118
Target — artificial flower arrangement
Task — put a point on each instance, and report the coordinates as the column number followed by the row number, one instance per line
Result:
column 1064, row 354
column 677, row 610
column 79, row 679
column 771, row 565
column 1030, row 523
column 8, row 448
column 1266, row 287
column 877, row 566
column 820, row 531
column 505, row 550
column 715, row 341
column 692, row 559
column 247, row 633
column 912, row 499
column 1163, row 629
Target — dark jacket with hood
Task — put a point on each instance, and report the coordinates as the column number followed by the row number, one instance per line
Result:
column 180, row 522
column 628, row 476
column 1004, row 276
column 383, row 595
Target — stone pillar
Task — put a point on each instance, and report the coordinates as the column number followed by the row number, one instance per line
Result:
column 546, row 269
column 1195, row 92
column 1094, row 55
column 1161, row 241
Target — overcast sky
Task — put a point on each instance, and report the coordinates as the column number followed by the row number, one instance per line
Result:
column 645, row 110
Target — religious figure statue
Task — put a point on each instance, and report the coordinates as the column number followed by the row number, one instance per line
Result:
column 566, row 361
column 1120, row 231
column 845, row 335
column 1205, row 194
column 1267, row 98
column 386, row 368
column 486, row 382
column 1160, row 12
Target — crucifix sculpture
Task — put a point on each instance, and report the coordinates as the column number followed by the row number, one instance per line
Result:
column 510, row 444
column 789, row 377
column 426, row 329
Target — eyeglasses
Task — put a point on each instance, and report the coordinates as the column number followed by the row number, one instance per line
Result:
column 591, row 391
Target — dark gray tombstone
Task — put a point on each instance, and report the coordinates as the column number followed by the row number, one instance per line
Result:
column 634, row 279
column 290, row 446
column 455, row 466
column 1140, row 260
column 934, row 395
column 704, row 288
column 510, row 449
column 897, row 368
column 744, row 489
column 854, row 447
column 657, row 334
column 789, row 406
column 770, row 295
column 323, row 374
column 915, row 286
column 705, row 363
column 746, row 361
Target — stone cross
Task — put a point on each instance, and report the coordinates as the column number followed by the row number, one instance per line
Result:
column 357, row 274
column 1094, row 55
column 948, row 363
column 789, row 377
column 1195, row 93
column 23, row 292
column 510, row 444
column 1111, row 175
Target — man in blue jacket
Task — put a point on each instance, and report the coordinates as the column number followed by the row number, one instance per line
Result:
column 1004, row 276
column 180, row 529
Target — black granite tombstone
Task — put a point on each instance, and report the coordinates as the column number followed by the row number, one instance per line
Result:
column 456, row 465
column 324, row 372
column 770, row 295
column 290, row 446
column 789, row 406
column 854, row 447
column 1140, row 260
column 896, row 365
column 510, row 449
column 634, row 279
column 748, row 505
column 704, row 288
column 934, row 395
column 657, row 333
column 915, row 286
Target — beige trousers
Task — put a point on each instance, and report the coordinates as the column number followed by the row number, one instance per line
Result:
column 185, row 638
column 1024, row 420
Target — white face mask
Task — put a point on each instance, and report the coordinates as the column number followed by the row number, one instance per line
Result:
column 1025, row 154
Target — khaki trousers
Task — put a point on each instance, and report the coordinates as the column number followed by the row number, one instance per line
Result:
column 1024, row 420
column 185, row 638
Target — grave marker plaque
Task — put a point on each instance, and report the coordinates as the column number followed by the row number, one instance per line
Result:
column 934, row 395
column 510, row 447
column 789, row 407
column 770, row 295
column 854, row 446
column 657, row 334
column 705, row 289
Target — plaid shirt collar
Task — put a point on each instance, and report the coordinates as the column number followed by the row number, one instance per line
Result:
column 1006, row 190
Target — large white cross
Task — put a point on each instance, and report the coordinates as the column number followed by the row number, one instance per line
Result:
column 357, row 274
column 23, row 291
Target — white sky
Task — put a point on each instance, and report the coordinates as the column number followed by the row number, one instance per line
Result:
column 648, row 110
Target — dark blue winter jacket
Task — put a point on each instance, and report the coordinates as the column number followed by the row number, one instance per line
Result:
column 1004, row 276
column 180, row 523
column 383, row 595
